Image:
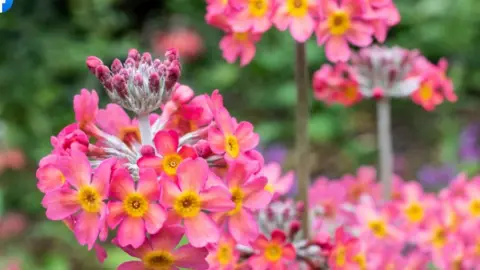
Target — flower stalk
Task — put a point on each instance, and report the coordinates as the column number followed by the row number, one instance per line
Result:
column 385, row 146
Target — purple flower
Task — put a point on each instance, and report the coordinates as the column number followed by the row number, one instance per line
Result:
column 433, row 177
column 470, row 143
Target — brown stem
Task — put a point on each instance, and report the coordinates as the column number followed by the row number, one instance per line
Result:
column 301, row 136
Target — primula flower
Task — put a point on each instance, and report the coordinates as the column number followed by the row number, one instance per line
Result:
column 166, row 144
column 86, row 108
column 187, row 201
column 364, row 183
column 469, row 205
column 342, row 23
column 342, row 255
column 83, row 197
column 69, row 137
column 382, row 17
column 239, row 45
column 254, row 16
column 224, row 256
column 120, row 125
column 160, row 252
column 376, row 224
column 415, row 205
column 134, row 209
column 277, row 184
column 298, row 15
column 248, row 194
column 275, row 253
column 230, row 138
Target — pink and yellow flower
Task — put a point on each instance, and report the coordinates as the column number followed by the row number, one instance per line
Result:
column 364, row 183
column 239, row 45
column 83, row 197
column 275, row 253
column 230, row 138
column 160, row 252
column 255, row 16
column 298, row 15
column 340, row 24
column 342, row 255
column 224, row 256
column 69, row 137
column 120, row 125
column 375, row 224
column 415, row 206
column 135, row 209
column 188, row 200
column 170, row 155
column 277, row 184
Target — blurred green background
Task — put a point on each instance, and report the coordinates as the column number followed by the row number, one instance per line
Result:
column 44, row 44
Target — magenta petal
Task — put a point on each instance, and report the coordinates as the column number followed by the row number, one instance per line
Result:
column 167, row 238
column 216, row 139
column 122, row 184
column 279, row 236
column 100, row 252
column 217, row 199
column 49, row 178
column 166, row 142
column 87, row 228
column 101, row 177
column 148, row 185
column 257, row 200
column 191, row 257
column 243, row 227
column 151, row 162
column 116, row 214
column 201, row 230
column 80, row 168
column 192, row 174
column 131, row 265
column 61, row 203
column 322, row 32
column 154, row 218
column 131, row 232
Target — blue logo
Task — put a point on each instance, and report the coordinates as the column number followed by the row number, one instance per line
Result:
column 5, row 5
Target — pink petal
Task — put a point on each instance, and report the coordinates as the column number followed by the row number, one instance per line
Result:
column 213, row 180
column 322, row 32
column 229, row 48
column 279, row 236
column 80, row 168
column 148, row 185
column 61, row 203
column 243, row 227
column 170, row 191
column 166, row 142
column 201, row 230
column 154, row 218
column 247, row 54
column 302, row 28
column 258, row 262
column 224, row 121
column 116, row 213
column 151, row 162
column 87, row 228
column 260, row 243
column 187, row 152
column 216, row 139
column 237, row 175
column 281, row 19
column 289, row 252
column 272, row 172
column 101, row 177
column 167, row 238
column 337, row 49
column 131, row 265
column 217, row 199
column 191, row 257
column 284, row 184
column 380, row 29
column 359, row 34
column 192, row 174
column 246, row 137
column 131, row 232
column 49, row 178
column 100, row 252
column 122, row 184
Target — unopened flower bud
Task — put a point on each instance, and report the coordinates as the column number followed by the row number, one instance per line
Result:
column 134, row 54
column 147, row 151
column 203, row 149
column 130, row 63
column 92, row 63
column 173, row 73
column 294, row 228
column 116, row 66
column 171, row 55
column 120, row 85
column 156, row 64
column 146, row 58
column 103, row 74
column 138, row 80
column 378, row 93
column 154, row 82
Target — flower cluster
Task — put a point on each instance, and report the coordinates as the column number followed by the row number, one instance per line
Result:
column 411, row 231
column 335, row 23
column 378, row 72
column 190, row 171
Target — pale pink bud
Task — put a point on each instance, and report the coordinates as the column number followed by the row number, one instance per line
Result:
column 378, row 93
column 171, row 55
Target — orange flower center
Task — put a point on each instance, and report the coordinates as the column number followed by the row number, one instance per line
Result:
column 340, row 256
column 474, row 208
column 129, row 135
column 378, row 228
column 439, row 237
column 338, row 22
column 188, row 204
column 414, row 212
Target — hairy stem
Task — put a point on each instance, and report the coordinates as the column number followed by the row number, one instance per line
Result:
column 145, row 129
column 385, row 146
column 301, row 134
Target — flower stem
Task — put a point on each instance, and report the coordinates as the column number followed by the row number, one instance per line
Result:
column 385, row 146
column 301, row 136
column 145, row 129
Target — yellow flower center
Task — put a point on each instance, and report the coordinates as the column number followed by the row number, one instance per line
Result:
column 378, row 228
column 240, row 36
column 475, row 207
column 62, row 178
column 231, row 146
column 187, row 204
column 89, row 199
column 361, row 261
column 129, row 135
column 340, row 256
column 135, row 205
column 269, row 188
column 338, row 22
column 439, row 237
column 414, row 212
column 426, row 92
column 258, row 8
column 273, row 252
column 170, row 164
column 297, row 8
column 224, row 254
column 237, row 198
column 158, row 260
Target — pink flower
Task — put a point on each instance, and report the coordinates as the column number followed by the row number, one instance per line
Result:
column 375, row 224
column 166, row 144
column 469, row 205
column 83, row 197
column 188, row 42
column 362, row 184
column 239, row 44
column 135, row 209
column 51, row 173
column 298, row 16
column 114, row 120
column 86, row 108
column 223, row 256
column 215, row 7
column 341, row 24
column 254, row 16
column 230, row 138
column 327, row 198
column 188, row 200
column 276, row 253
column 342, row 255
column 277, row 184
column 248, row 194
column 382, row 17
column 415, row 206
column 160, row 252
column 70, row 137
